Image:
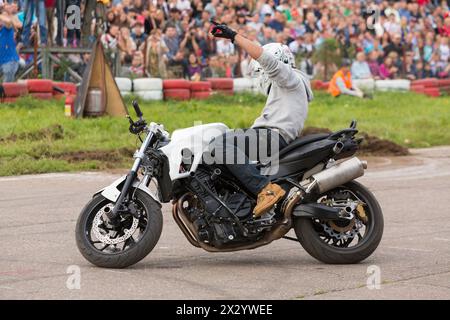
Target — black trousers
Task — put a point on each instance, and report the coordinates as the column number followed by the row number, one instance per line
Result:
column 238, row 149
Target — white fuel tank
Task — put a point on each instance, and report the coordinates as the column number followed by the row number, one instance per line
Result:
column 196, row 140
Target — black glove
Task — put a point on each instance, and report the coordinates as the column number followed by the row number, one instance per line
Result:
column 221, row 30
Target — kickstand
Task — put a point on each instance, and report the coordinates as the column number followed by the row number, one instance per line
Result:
column 290, row 238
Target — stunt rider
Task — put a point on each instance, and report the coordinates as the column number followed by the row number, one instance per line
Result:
column 288, row 93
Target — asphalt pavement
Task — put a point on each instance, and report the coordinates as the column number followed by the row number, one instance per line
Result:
column 39, row 258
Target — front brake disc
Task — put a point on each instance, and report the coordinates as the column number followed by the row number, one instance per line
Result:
column 105, row 235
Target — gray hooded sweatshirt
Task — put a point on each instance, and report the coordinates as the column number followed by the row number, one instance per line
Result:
column 286, row 107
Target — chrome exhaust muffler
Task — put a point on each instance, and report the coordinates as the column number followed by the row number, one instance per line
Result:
column 336, row 175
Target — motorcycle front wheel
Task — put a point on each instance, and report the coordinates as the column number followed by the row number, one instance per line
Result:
column 124, row 244
column 343, row 242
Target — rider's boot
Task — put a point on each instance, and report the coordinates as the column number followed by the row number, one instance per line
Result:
column 268, row 197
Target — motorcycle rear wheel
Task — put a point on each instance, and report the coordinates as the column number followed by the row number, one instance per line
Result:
column 313, row 238
column 109, row 256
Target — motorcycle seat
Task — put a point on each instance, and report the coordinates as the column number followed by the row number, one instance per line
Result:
column 301, row 154
column 294, row 145
column 301, row 141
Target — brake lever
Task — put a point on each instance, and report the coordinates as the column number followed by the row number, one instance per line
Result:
column 137, row 127
column 130, row 120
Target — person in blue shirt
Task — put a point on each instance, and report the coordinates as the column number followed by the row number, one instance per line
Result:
column 21, row 17
column 277, row 23
column 360, row 68
column 403, row 9
column 9, row 59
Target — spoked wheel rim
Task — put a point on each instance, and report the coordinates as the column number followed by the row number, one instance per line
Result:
column 109, row 239
column 345, row 234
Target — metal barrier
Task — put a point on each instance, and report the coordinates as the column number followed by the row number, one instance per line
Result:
column 47, row 58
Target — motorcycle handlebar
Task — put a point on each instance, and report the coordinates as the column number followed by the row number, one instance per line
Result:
column 137, row 109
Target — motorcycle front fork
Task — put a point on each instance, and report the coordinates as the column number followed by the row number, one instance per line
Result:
column 131, row 176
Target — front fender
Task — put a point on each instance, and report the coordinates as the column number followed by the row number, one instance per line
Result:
column 112, row 191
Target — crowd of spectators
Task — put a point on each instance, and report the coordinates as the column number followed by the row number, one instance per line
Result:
column 170, row 39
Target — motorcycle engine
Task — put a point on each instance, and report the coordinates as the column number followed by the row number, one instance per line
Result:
column 214, row 223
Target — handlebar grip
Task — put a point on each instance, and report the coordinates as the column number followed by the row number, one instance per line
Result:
column 137, row 109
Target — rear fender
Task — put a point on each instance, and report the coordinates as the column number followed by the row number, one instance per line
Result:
column 112, row 191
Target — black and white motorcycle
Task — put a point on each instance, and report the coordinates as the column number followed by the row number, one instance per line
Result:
column 336, row 219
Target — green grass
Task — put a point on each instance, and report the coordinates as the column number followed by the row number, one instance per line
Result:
column 36, row 137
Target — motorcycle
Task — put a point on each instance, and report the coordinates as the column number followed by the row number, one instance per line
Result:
column 336, row 219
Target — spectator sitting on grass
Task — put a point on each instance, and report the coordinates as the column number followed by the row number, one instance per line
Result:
column 9, row 59
column 341, row 83
column 360, row 68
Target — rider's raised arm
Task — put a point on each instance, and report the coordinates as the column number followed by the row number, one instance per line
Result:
column 277, row 71
column 280, row 73
column 253, row 49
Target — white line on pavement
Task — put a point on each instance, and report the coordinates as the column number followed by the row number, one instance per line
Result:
column 410, row 249
column 59, row 176
column 441, row 239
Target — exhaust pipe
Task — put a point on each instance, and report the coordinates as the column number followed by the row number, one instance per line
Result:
column 337, row 175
